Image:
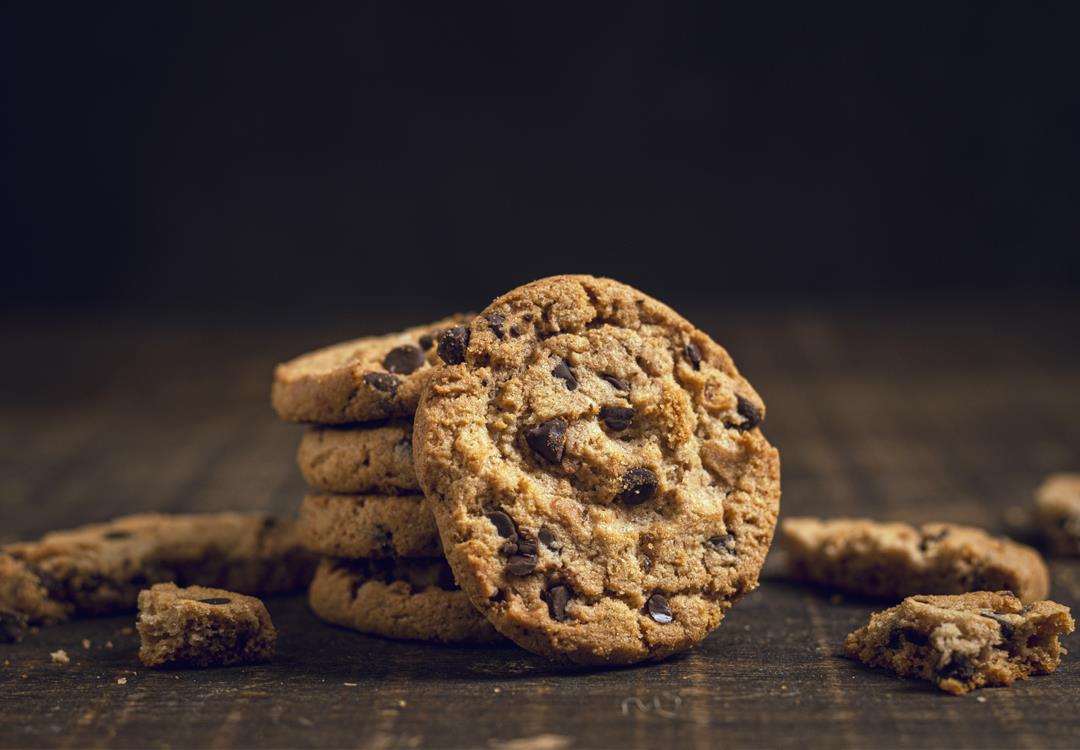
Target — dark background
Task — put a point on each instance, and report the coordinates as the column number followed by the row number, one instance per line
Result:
column 310, row 157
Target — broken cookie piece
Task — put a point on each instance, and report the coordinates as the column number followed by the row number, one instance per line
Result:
column 964, row 642
column 202, row 627
column 894, row 560
column 1057, row 509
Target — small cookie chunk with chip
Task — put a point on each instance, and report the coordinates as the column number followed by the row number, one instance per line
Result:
column 202, row 627
column 894, row 560
column 1057, row 509
column 964, row 642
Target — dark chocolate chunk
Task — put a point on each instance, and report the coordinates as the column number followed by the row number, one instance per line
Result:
column 118, row 534
column 521, row 565
column 453, row 343
column 617, row 417
column 427, row 341
column 547, row 538
column 548, row 439
column 527, row 546
column 616, row 383
column 638, row 486
column 382, row 381
column 1007, row 629
column 558, row 597
column 959, row 668
column 563, row 373
column 693, row 354
column 12, row 626
column 503, row 523
column 527, row 317
column 515, row 331
column 404, row 359
column 725, row 543
column 928, row 539
column 748, row 411
column 496, row 323
column 659, row 609
column 216, row 600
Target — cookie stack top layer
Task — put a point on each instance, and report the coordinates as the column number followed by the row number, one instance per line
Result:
column 594, row 462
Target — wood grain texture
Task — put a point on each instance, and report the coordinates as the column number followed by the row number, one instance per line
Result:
column 929, row 413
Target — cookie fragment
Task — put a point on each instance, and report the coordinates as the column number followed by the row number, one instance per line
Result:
column 579, row 469
column 202, row 627
column 1057, row 510
column 894, row 560
column 966, row 641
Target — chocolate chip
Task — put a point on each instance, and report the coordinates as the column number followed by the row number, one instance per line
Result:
column 617, row 417
column 427, row 341
column 1007, row 629
column 899, row 636
column 547, row 538
column 558, row 597
column 453, row 343
column 725, row 543
column 216, row 600
column 548, row 439
column 527, row 546
column 527, row 317
column 521, row 565
column 118, row 534
column 616, row 383
column 503, row 523
column 959, row 668
column 562, row 371
column 404, row 359
column 638, row 486
column 928, row 539
column 515, row 331
column 749, row 412
column 659, row 609
column 496, row 322
column 381, row 537
column 693, row 354
column 382, row 381
column 270, row 522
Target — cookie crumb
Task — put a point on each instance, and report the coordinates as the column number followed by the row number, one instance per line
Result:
column 349, row 684
column 60, row 657
column 402, row 704
column 108, row 644
column 86, row 644
column 121, row 680
column 981, row 699
column 497, row 690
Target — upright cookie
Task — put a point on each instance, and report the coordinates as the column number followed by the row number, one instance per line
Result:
column 1057, row 508
column 894, row 560
column 359, row 459
column 964, row 642
column 409, row 599
column 202, row 627
column 101, row 568
column 596, row 470
column 368, row 526
column 360, row 380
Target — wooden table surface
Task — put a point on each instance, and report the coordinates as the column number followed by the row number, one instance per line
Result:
column 918, row 412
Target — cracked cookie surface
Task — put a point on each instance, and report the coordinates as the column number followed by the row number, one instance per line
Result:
column 893, row 560
column 595, row 466
column 963, row 642
column 355, row 381
column 374, row 459
column 368, row 526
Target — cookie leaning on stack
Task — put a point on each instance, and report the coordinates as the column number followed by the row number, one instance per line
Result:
column 383, row 571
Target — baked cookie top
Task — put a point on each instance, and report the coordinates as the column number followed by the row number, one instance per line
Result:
column 359, row 380
column 595, row 466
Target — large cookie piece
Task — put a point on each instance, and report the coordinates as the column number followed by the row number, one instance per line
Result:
column 359, row 459
column 100, row 568
column 359, row 380
column 1058, row 512
column 595, row 466
column 894, row 560
column 368, row 526
column 408, row 599
column 964, row 642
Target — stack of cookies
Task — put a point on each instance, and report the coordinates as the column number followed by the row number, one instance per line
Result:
column 383, row 571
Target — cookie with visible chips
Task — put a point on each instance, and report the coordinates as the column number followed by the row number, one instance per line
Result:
column 597, row 472
column 360, row 380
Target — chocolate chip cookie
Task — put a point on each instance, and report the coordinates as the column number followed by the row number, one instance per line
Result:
column 1057, row 509
column 596, row 468
column 368, row 526
column 360, row 380
column 964, row 642
column 202, row 627
column 101, row 568
column 894, row 560
column 363, row 459
column 408, row 599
